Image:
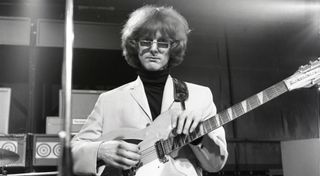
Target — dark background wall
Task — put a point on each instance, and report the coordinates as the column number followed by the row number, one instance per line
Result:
column 237, row 48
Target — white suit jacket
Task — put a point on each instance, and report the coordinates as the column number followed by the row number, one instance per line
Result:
column 127, row 107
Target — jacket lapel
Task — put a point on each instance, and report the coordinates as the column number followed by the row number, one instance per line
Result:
column 167, row 98
column 139, row 95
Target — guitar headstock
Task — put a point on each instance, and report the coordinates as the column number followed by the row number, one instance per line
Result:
column 306, row 76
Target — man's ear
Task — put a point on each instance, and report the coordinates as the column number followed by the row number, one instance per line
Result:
column 133, row 44
column 174, row 44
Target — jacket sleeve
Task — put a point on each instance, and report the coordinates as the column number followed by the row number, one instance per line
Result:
column 212, row 152
column 84, row 148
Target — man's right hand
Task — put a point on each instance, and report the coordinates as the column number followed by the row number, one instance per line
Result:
column 119, row 154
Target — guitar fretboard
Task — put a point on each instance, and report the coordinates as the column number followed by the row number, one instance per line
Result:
column 212, row 123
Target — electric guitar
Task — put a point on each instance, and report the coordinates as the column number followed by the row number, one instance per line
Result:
column 156, row 144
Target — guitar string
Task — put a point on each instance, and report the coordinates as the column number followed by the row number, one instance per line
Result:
column 147, row 148
column 148, row 152
column 184, row 141
column 173, row 139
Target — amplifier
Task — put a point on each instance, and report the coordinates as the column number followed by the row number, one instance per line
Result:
column 16, row 143
column 46, row 150
column 83, row 102
column 5, row 97
column 53, row 125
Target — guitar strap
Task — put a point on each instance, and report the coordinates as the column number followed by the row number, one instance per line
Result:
column 181, row 93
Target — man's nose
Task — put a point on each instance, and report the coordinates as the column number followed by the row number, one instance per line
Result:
column 154, row 48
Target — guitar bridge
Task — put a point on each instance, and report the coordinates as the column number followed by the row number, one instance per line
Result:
column 160, row 151
column 132, row 171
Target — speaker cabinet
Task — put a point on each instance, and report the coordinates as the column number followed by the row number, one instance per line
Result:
column 5, row 96
column 16, row 143
column 83, row 102
column 53, row 125
column 46, row 150
column 301, row 157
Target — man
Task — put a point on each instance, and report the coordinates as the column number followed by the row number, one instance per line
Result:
column 154, row 40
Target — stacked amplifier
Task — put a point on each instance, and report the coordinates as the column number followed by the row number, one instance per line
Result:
column 36, row 150
column 33, row 149
column 46, row 150
column 16, row 143
column 83, row 102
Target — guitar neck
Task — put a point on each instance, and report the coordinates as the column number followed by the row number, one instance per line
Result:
column 235, row 111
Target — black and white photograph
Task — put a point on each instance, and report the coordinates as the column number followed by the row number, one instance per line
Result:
column 160, row 87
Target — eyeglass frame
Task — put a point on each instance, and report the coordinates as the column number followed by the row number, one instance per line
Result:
column 170, row 43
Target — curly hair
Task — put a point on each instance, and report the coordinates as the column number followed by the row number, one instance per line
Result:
column 147, row 21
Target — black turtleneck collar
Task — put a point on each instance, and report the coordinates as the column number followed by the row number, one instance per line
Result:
column 153, row 77
column 154, row 82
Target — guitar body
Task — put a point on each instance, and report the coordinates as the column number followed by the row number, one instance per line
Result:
column 150, row 163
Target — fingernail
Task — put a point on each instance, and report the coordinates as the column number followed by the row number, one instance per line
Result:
column 174, row 131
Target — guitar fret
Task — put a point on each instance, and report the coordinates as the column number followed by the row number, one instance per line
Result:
column 230, row 113
column 181, row 140
column 281, row 88
column 238, row 110
column 224, row 117
column 271, row 92
column 166, row 146
column 186, row 139
column 260, row 97
column 207, row 126
column 175, row 143
column 195, row 133
column 244, row 106
column 265, row 97
column 253, row 102
column 172, row 143
column 214, row 122
column 192, row 135
column 275, row 91
column 204, row 129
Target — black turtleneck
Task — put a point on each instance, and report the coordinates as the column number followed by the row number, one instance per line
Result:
column 153, row 82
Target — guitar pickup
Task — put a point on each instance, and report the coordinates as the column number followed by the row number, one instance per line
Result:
column 160, row 151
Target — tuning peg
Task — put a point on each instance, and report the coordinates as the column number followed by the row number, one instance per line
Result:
column 301, row 67
column 313, row 62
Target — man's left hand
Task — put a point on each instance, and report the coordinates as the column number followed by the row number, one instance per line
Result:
column 185, row 121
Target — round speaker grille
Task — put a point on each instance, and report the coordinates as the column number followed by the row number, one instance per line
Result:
column 43, row 150
column 57, row 150
column 9, row 146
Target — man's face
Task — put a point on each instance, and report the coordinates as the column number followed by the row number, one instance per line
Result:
column 154, row 52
